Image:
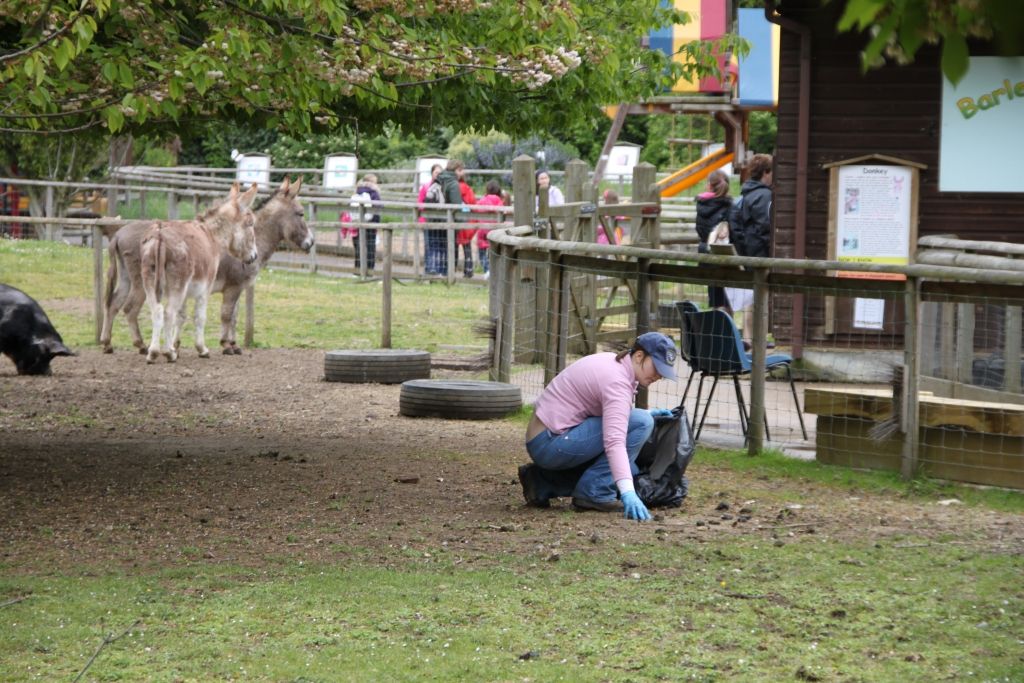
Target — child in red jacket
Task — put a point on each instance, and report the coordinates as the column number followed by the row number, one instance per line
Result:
column 491, row 198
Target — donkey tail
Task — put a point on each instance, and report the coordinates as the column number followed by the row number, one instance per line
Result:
column 161, row 257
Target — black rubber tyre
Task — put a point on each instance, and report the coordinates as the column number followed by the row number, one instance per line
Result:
column 379, row 366
column 459, row 399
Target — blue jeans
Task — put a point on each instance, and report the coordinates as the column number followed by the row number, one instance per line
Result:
column 436, row 252
column 574, row 464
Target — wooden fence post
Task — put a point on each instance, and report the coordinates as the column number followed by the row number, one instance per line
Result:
column 646, row 231
column 494, row 307
column 553, row 325
column 49, row 230
column 385, row 318
column 1011, row 350
column 582, row 286
column 172, row 205
column 964, row 343
column 361, row 255
column 507, row 322
column 524, row 193
column 758, row 375
column 911, row 371
column 450, row 246
column 643, row 312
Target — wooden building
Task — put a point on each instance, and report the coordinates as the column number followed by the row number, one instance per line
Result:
column 830, row 110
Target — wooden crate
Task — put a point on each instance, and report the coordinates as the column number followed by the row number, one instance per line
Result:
column 969, row 441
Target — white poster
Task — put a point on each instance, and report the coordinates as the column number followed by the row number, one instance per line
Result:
column 981, row 144
column 622, row 160
column 340, row 171
column 873, row 217
column 423, row 166
column 868, row 313
column 253, row 168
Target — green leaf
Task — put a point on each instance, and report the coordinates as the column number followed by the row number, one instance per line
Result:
column 61, row 55
column 955, row 58
column 115, row 119
column 109, row 71
column 861, row 13
column 124, row 73
column 873, row 51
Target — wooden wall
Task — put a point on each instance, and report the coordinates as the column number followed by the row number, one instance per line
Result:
column 894, row 111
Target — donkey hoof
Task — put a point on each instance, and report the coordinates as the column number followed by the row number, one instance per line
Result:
column 108, row 349
column 171, row 356
column 151, row 356
column 236, row 350
column 227, row 350
column 204, row 353
column 143, row 350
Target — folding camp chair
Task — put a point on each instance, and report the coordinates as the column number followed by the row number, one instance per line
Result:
column 717, row 351
column 686, row 341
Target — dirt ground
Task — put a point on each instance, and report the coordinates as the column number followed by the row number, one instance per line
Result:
column 247, row 459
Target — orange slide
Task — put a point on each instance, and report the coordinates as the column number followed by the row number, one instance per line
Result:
column 694, row 173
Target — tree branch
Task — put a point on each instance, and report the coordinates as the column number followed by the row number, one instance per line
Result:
column 107, row 640
column 59, row 131
column 50, row 38
column 14, row 601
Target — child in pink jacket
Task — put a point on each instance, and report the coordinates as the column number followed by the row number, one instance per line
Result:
column 492, row 197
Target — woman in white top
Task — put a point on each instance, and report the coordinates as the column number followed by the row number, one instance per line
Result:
column 555, row 197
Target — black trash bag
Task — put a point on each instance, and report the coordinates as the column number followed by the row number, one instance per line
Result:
column 661, row 481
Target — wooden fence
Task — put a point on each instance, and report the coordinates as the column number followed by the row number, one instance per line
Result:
column 525, row 248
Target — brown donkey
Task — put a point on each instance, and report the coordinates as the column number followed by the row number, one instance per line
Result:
column 178, row 259
column 279, row 218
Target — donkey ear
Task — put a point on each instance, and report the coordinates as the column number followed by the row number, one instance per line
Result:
column 248, row 196
column 285, row 184
column 234, row 190
column 295, row 187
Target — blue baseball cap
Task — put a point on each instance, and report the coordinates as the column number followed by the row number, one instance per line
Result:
column 662, row 351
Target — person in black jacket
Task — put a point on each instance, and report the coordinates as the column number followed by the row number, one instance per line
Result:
column 755, row 238
column 448, row 179
column 712, row 210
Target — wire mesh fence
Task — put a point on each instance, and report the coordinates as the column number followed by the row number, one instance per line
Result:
column 914, row 369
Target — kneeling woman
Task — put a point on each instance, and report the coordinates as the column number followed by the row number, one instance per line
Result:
column 585, row 434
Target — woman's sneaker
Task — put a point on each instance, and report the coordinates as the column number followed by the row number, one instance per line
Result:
column 528, row 480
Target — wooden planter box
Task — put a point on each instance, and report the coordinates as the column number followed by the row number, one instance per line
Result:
column 969, row 441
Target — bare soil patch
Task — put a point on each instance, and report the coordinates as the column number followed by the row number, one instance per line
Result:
column 248, row 459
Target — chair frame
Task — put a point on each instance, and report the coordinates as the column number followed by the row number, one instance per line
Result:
column 715, row 348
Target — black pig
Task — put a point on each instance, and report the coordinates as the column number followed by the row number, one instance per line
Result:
column 26, row 335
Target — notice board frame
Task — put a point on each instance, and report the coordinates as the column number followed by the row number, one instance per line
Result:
column 839, row 313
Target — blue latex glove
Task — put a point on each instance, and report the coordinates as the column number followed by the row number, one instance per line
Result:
column 660, row 412
column 634, row 507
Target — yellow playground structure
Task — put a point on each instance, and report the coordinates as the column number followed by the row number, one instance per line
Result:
column 748, row 83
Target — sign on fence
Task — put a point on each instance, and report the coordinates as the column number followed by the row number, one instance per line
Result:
column 423, row 165
column 340, row 171
column 253, row 168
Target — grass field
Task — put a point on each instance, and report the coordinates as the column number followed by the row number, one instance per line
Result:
column 293, row 310
column 648, row 611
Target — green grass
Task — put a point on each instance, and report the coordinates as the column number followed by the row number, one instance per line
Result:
column 293, row 310
column 774, row 464
column 156, row 207
column 738, row 609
